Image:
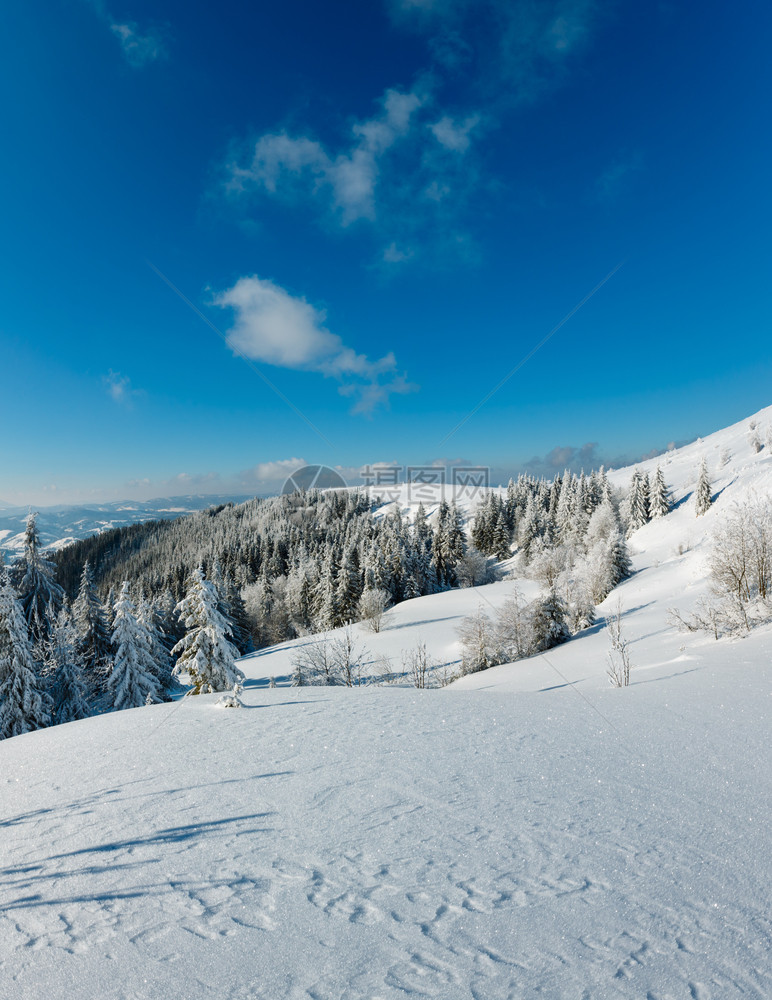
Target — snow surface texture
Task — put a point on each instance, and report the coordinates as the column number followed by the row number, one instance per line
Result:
column 529, row 831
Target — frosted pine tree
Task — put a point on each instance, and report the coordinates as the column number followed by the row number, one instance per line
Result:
column 564, row 513
column 659, row 497
column 529, row 529
column 22, row 705
column 94, row 644
column 607, row 561
column 702, row 493
column 328, row 615
column 242, row 636
column 132, row 677
column 67, row 689
column 501, row 540
column 205, row 653
column 637, row 505
column 348, row 587
column 422, row 542
column 149, row 617
column 549, row 621
column 34, row 577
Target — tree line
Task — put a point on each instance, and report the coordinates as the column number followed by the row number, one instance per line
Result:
column 120, row 619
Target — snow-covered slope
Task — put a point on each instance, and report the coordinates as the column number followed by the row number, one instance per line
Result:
column 528, row 831
column 59, row 526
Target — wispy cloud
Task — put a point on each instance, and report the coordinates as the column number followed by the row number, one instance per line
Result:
column 510, row 50
column 618, row 176
column 406, row 164
column 410, row 171
column 140, row 44
column 346, row 180
column 275, row 327
column 454, row 134
column 139, row 47
column 119, row 388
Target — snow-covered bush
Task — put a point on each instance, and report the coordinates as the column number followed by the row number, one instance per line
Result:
column 372, row 609
column 231, row 700
column 474, row 569
column 740, row 573
column 580, row 608
column 479, row 645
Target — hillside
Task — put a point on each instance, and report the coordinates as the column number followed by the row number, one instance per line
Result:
column 528, row 830
column 62, row 525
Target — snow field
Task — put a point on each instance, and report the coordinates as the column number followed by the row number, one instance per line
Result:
column 528, row 831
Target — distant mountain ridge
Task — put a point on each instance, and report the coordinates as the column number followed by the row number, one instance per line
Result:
column 61, row 525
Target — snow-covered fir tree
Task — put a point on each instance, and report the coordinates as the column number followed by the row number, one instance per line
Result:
column 205, row 653
column 34, row 576
column 637, row 505
column 702, row 492
column 66, row 688
column 22, row 704
column 659, row 497
column 94, row 642
column 132, row 678
column 549, row 621
column 148, row 616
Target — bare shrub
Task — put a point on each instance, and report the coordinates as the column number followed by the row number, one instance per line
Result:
column 331, row 662
column 312, row 663
column 349, row 658
column 418, row 665
column 727, row 617
column 446, row 675
column 618, row 653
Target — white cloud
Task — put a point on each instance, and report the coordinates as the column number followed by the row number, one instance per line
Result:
column 119, row 388
column 138, row 47
column 406, row 172
column 454, row 135
column 273, row 472
column 347, row 180
column 394, row 254
column 280, row 329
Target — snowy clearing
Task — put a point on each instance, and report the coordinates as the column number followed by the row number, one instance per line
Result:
column 527, row 831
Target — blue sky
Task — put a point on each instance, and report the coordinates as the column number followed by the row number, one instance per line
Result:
column 383, row 207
